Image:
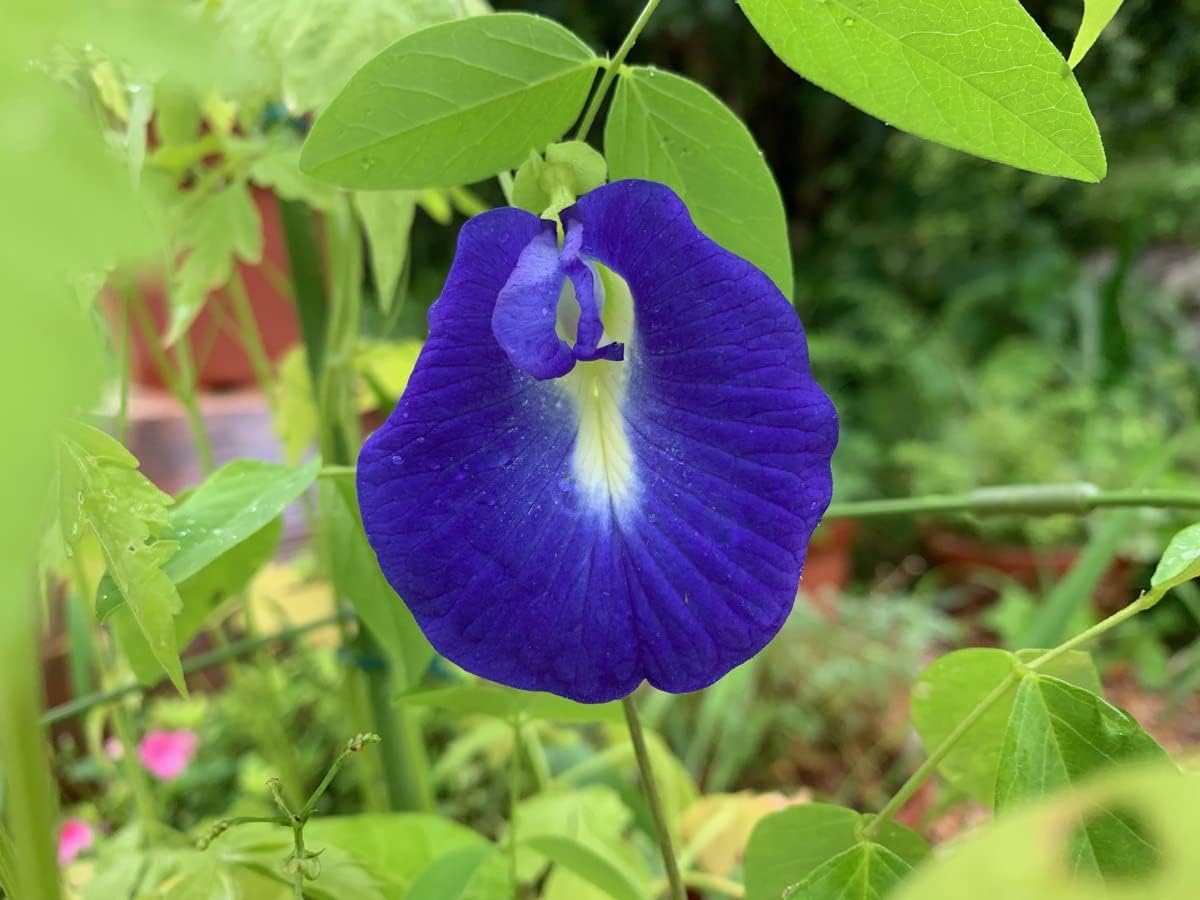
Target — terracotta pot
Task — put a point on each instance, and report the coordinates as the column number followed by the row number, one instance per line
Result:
column 827, row 567
column 221, row 360
column 962, row 554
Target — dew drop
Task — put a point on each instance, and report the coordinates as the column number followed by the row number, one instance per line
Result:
column 397, row 459
column 849, row 22
column 566, row 485
column 421, row 439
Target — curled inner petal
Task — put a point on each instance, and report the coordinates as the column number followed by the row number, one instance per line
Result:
column 547, row 316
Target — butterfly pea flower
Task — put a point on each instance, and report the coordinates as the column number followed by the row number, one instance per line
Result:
column 609, row 458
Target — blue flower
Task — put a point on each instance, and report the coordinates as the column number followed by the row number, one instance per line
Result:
column 610, row 457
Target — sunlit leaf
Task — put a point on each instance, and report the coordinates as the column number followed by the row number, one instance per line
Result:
column 1180, row 562
column 794, row 844
column 237, row 501
column 1096, row 16
column 667, row 128
column 452, row 104
column 953, row 685
column 979, row 76
column 127, row 514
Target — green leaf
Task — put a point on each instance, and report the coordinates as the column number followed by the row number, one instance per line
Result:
column 1096, row 16
column 280, row 171
column 394, row 848
column 317, row 47
column 200, row 594
column 666, row 128
column 593, row 815
column 452, row 104
column 788, row 847
column 357, row 577
column 127, row 514
column 469, row 873
column 1030, row 853
column 508, row 703
column 387, row 217
column 867, row 871
column 953, row 685
column 1180, row 562
column 1058, row 734
column 979, row 76
column 236, row 502
column 220, row 228
column 589, row 864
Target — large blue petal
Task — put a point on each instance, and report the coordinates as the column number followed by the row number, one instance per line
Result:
column 522, row 573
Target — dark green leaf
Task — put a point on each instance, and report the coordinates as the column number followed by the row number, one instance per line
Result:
column 357, row 577
column 452, row 104
column 979, row 76
column 866, row 871
column 1058, row 734
column 953, row 685
column 507, row 703
column 667, row 128
column 791, row 845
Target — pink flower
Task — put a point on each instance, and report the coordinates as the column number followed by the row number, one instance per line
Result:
column 74, row 837
column 113, row 748
column 165, row 754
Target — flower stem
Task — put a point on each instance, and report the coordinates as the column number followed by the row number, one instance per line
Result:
column 514, row 797
column 654, row 799
column 935, row 758
column 614, row 66
column 1027, row 499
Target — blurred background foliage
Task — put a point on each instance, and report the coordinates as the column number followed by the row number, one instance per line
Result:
column 975, row 324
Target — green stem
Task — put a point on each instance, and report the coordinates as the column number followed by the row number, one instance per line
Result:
column 178, row 383
column 81, row 705
column 514, row 797
column 1034, row 499
column 614, row 66
column 251, row 338
column 354, row 745
column 1141, row 603
column 29, row 801
column 125, row 357
column 703, row 881
column 654, row 799
column 927, row 768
